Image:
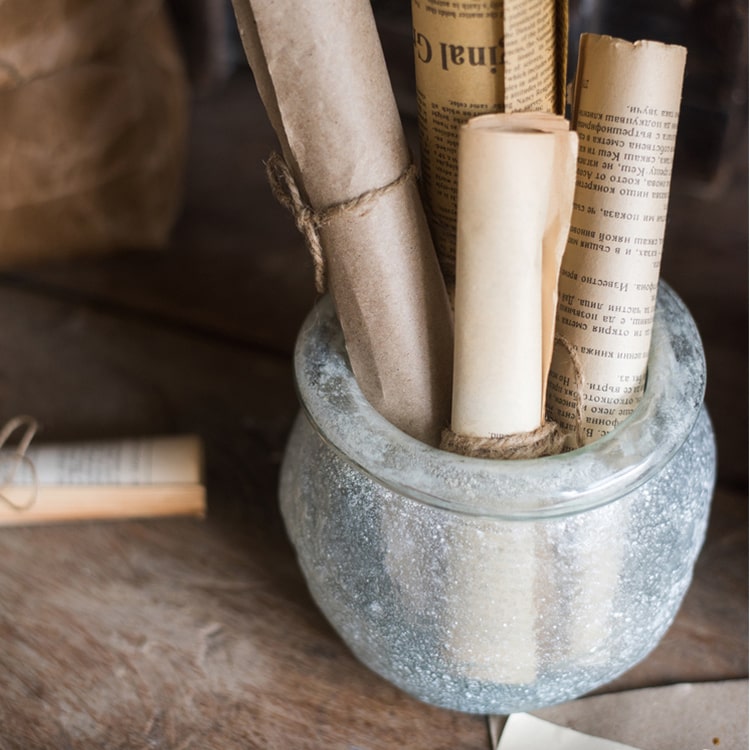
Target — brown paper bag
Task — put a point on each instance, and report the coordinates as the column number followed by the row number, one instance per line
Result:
column 93, row 125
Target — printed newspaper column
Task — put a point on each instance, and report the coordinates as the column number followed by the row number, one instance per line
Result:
column 625, row 110
column 626, row 106
column 516, row 177
column 472, row 58
column 320, row 71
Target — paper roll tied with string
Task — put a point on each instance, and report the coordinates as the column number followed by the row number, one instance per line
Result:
column 515, row 198
column 348, row 176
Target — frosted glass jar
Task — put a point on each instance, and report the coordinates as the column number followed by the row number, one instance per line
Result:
column 498, row 586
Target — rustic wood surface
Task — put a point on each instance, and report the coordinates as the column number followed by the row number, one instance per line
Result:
column 201, row 634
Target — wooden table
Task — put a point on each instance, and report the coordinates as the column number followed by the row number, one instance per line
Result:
column 196, row 634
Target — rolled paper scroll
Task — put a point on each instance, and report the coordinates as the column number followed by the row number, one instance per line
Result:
column 516, row 175
column 516, row 178
column 625, row 110
column 320, row 71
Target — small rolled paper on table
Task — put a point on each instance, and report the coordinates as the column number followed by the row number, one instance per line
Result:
column 106, row 480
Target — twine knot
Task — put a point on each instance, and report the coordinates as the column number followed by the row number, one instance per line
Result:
column 308, row 220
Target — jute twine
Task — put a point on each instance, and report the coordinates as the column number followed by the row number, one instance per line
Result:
column 308, row 220
column 547, row 440
column 17, row 458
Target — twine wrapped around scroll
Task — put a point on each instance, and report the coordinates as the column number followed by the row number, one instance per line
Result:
column 546, row 440
column 19, row 457
column 308, row 220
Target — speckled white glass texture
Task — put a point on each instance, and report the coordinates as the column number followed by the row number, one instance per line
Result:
column 499, row 586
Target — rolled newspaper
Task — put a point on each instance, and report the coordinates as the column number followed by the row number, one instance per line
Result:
column 625, row 110
column 472, row 58
column 104, row 480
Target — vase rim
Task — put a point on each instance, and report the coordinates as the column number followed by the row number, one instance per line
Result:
column 519, row 490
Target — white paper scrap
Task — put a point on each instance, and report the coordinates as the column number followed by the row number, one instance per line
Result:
column 527, row 732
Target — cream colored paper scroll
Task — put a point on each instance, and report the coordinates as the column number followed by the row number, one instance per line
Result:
column 472, row 58
column 515, row 196
column 516, row 181
column 320, row 71
column 491, row 618
column 625, row 110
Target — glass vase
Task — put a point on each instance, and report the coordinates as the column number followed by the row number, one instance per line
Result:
column 498, row 586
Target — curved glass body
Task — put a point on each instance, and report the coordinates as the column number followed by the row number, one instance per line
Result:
column 499, row 586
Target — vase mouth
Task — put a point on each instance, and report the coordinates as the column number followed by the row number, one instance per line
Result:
column 518, row 490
